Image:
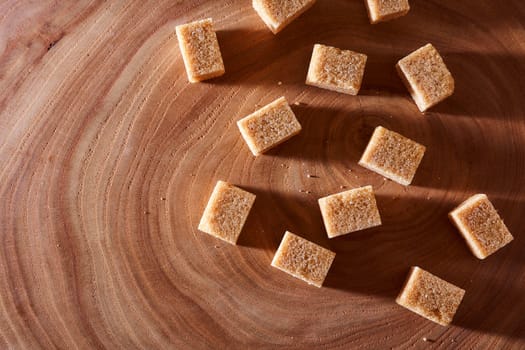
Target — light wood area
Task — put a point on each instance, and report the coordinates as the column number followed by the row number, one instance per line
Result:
column 108, row 156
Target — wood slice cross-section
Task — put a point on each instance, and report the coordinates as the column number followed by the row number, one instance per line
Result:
column 108, row 156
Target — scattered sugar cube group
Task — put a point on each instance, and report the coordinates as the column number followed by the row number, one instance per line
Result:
column 388, row 153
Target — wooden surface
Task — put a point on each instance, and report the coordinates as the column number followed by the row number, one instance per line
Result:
column 108, row 156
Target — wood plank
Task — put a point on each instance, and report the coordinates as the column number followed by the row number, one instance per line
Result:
column 108, row 156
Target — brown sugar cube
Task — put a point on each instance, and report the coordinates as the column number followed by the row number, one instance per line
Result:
column 303, row 259
column 392, row 156
column 226, row 212
column 277, row 14
column 481, row 226
column 335, row 69
column 430, row 296
column 426, row 77
column 269, row 126
column 385, row 10
column 349, row 211
column 200, row 50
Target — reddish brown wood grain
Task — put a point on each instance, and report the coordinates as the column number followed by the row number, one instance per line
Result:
column 108, row 155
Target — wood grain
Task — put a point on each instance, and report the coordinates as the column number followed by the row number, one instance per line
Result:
column 108, row 156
